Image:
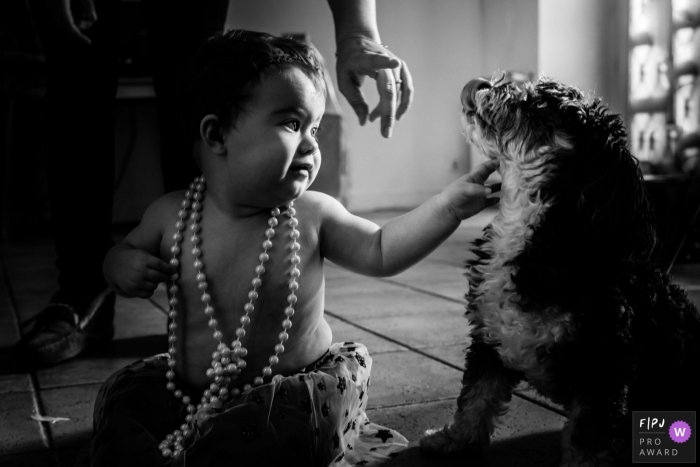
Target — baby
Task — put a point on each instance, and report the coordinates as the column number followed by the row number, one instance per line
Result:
column 251, row 372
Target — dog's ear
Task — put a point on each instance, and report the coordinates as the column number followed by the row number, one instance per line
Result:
column 614, row 196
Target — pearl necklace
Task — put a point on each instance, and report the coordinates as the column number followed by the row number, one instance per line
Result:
column 227, row 362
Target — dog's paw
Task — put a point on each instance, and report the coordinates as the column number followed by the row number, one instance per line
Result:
column 442, row 442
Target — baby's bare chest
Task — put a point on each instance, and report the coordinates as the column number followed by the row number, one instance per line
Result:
column 237, row 268
column 247, row 285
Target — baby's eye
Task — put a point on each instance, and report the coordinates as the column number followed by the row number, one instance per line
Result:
column 315, row 130
column 294, row 125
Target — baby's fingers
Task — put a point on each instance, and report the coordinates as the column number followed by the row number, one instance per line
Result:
column 482, row 171
column 495, row 187
column 146, row 289
column 157, row 271
column 160, row 266
column 155, row 277
column 473, row 189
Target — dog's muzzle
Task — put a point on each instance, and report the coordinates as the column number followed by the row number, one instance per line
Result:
column 469, row 92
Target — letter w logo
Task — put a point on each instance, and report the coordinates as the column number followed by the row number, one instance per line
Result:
column 680, row 432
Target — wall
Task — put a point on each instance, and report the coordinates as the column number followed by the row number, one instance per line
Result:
column 441, row 42
column 509, row 43
column 584, row 43
column 509, row 36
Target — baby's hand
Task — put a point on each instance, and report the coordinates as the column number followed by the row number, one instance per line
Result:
column 136, row 273
column 467, row 195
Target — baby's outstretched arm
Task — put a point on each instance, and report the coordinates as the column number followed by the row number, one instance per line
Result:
column 362, row 246
column 133, row 268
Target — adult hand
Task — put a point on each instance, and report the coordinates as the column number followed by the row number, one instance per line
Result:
column 73, row 17
column 358, row 57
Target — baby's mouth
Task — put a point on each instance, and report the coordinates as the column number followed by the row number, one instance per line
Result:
column 302, row 167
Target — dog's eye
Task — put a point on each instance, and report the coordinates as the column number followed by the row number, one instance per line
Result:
column 541, row 105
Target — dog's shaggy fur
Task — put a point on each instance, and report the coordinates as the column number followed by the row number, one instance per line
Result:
column 562, row 292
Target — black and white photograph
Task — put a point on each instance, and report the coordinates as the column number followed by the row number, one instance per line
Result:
column 334, row 233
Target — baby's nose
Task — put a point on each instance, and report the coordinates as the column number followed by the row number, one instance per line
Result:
column 469, row 92
column 308, row 145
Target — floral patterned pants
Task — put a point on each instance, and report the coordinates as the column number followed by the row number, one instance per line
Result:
column 313, row 418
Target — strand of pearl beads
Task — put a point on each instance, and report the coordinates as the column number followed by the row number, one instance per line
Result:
column 227, row 363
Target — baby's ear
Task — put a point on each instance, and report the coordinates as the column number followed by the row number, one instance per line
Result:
column 212, row 134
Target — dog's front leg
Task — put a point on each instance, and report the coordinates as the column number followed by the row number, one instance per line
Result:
column 487, row 388
column 592, row 435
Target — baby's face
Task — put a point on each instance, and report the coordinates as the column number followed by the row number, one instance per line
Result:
column 272, row 153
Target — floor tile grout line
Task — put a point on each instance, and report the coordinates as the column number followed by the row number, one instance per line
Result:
column 408, row 404
column 433, row 357
column 539, row 403
column 454, row 398
column 427, row 259
column 391, row 339
column 445, row 262
column 424, row 348
column 37, row 403
column 419, row 290
column 68, row 386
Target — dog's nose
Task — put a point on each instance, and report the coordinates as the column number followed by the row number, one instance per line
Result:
column 469, row 92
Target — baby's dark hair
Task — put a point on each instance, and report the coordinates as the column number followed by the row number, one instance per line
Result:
column 226, row 71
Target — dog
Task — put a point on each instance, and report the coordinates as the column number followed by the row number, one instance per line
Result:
column 563, row 292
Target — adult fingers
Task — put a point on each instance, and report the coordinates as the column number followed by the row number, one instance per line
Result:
column 386, row 108
column 381, row 61
column 349, row 85
column 406, row 88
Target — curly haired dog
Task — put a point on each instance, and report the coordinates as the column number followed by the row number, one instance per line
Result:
column 562, row 292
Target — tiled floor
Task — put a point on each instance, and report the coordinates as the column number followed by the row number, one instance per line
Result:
column 412, row 323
